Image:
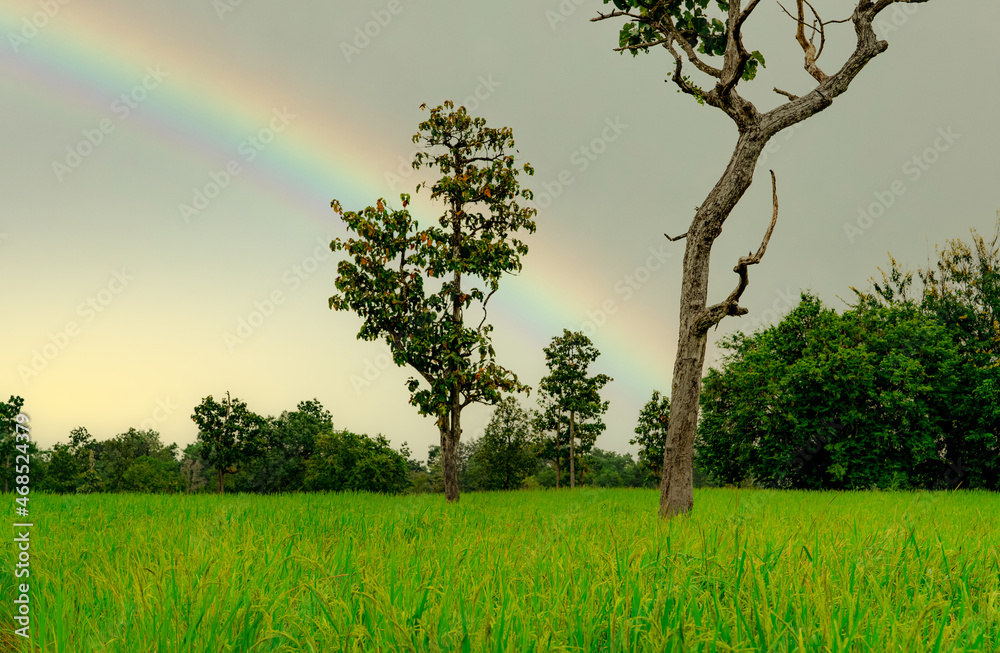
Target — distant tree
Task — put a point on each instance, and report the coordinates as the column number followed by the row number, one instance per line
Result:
column 505, row 454
column 704, row 44
column 148, row 474
column 612, row 469
column 286, row 443
column 194, row 469
column 9, row 411
column 348, row 461
column 63, row 470
column 230, row 433
column 651, row 434
column 828, row 401
column 572, row 394
column 384, row 282
column 114, row 457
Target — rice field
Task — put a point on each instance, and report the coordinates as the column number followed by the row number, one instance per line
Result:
column 591, row 570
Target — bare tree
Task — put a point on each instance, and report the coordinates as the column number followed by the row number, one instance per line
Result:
column 693, row 37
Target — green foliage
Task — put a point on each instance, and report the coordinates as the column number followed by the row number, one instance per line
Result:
column 823, row 400
column 113, row 457
column 962, row 291
column 405, row 282
column 63, row 470
column 149, row 474
column 286, row 443
column 651, row 435
column 702, row 26
column 567, row 394
column 612, row 469
column 504, row 453
column 231, row 434
column 13, row 445
column 348, row 461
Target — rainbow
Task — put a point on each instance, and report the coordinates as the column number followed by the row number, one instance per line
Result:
column 87, row 56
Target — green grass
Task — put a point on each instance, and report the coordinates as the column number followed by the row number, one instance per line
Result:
column 592, row 570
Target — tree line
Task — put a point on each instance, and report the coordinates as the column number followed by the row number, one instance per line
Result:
column 238, row 450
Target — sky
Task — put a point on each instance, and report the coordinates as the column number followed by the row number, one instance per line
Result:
column 168, row 170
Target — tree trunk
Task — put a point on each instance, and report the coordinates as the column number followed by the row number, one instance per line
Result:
column 450, row 434
column 221, row 473
column 676, row 479
column 558, row 471
column 572, row 453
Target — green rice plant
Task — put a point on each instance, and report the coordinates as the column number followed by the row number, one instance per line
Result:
column 588, row 570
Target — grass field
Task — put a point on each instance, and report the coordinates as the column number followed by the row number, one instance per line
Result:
column 592, row 570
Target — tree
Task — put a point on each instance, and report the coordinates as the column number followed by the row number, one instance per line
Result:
column 408, row 283
column 286, row 443
column 572, row 393
column 828, row 401
column 504, row 453
column 651, row 434
column 114, row 457
column 962, row 291
column 9, row 411
column 694, row 33
column 149, row 474
column 346, row 461
column 230, row 434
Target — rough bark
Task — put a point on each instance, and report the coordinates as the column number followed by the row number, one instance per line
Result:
column 572, row 452
column 450, row 434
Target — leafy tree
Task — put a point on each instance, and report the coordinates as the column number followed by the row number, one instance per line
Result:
column 708, row 36
column 348, row 461
column 612, row 469
column 9, row 411
column 286, row 443
column 409, row 284
column 651, row 434
column 570, row 392
column 962, row 291
column 505, row 454
column 64, row 470
column 114, row 457
column 230, row 434
column 823, row 400
column 149, row 474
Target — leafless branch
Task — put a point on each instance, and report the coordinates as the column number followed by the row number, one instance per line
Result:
column 674, row 240
column 712, row 315
column 785, row 93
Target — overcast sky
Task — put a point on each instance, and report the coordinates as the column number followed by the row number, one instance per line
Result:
column 168, row 169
